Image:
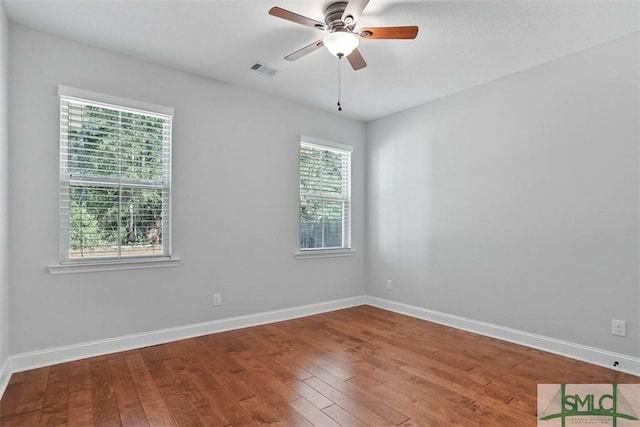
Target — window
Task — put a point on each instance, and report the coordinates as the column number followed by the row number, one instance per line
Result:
column 325, row 195
column 115, row 178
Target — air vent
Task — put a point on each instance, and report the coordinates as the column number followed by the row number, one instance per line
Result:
column 264, row 69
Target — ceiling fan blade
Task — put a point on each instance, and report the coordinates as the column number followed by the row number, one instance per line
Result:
column 389, row 32
column 356, row 60
column 298, row 19
column 353, row 9
column 305, row 50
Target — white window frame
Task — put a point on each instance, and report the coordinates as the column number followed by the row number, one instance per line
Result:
column 69, row 265
column 346, row 249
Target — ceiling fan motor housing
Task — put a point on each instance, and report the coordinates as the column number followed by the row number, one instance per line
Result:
column 333, row 18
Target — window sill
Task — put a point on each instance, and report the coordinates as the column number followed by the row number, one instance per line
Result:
column 91, row 267
column 325, row 253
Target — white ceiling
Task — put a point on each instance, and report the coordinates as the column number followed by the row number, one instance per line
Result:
column 460, row 44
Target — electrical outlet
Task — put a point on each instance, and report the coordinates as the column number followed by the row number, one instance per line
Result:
column 619, row 327
column 217, row 299
column 389, row 284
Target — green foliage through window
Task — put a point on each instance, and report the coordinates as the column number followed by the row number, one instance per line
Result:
column 115, row 180
column 325, row 197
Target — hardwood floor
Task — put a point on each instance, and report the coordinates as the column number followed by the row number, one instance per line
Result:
column 356, row 367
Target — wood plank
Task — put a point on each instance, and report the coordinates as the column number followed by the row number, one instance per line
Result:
column 210, row 398
column 310, row 394
column 154, row 407
column 33, row 391
column 79, row 376
column 55, row 405
column 214, row 398
column 80, row 412
column 343, row 417
column 351, row 405
column 311, row 413
column 224, row 368
column 183, row 413
column 13, row 396
column 165, row 370
column 105, row 407
column 129, row 405
column 444, row 410
column 406, row 406
column 31, row 418
column 173, row 384
column 261, row 382
column 261, row 412
column 18, row 377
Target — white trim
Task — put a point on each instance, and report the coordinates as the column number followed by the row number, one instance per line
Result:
column 5, row 376
column 323, row 145
column 112, row 265
column 113, row 101
column 596, row 356
column 325, row 253
column 41, row 358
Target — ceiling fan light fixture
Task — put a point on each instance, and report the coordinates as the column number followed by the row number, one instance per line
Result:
column 341, row 43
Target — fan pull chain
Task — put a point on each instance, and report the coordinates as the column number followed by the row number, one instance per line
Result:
column 339, row 82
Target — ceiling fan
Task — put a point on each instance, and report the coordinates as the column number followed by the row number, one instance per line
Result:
column 340, row 20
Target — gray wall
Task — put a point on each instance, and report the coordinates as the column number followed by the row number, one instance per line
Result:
column 516, row 202
column 4, row 189
column 235, row 202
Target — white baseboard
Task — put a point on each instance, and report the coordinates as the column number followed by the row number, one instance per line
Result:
column 628, row 364
column 5, row 375
column 38, row 359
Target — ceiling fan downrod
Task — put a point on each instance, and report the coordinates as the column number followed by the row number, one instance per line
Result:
column 340, row 81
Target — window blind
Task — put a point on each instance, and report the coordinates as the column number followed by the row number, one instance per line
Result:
column 115, row 180
column 325, row 197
